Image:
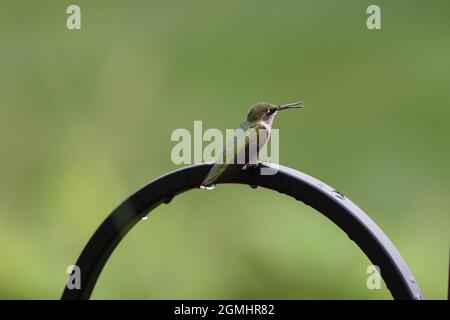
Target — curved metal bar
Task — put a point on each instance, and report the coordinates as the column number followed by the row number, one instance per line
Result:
column 335, row 206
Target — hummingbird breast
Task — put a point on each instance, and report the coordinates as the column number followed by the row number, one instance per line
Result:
column 241, row 150
column 264, row 134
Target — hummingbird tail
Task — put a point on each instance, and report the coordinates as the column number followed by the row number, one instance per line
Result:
column 208, row 181
column 220, row 173
column 206, row 184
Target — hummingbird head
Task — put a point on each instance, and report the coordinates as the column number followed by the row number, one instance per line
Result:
column 265, row 112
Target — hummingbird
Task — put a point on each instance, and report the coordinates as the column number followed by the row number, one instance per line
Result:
column 243, row 149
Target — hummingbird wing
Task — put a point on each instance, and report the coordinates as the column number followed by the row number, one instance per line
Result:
column 240, row 150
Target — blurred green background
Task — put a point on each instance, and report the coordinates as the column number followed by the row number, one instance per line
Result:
column 86, row 118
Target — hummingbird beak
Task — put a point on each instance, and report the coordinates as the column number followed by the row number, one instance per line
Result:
column 290, row 106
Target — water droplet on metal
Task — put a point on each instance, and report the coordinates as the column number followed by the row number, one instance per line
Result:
column 167, row 199
column 338, row 194
column 209, row 187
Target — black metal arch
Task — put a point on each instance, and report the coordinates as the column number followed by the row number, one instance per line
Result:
column 335, row 206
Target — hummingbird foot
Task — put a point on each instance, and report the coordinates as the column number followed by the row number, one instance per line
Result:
column 253, row 170
column 251, row 166
column 264, row 164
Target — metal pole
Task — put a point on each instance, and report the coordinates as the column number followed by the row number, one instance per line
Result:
column 332, row 204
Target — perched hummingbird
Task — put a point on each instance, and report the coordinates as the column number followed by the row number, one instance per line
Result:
column 244, row 148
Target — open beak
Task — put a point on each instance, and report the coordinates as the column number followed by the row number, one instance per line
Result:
column 290, row 106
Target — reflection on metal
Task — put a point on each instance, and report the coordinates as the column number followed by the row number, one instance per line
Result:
column 332, row 204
